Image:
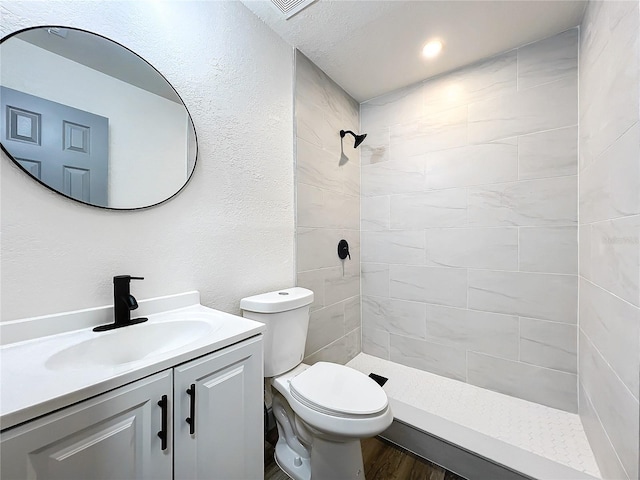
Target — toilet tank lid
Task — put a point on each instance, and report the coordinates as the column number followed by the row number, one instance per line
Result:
column 278, row 301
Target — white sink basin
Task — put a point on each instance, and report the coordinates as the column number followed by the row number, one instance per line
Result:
column 129, row 344
column 55, row 360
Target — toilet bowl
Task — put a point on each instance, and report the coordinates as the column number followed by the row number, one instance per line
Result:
column 322, row 410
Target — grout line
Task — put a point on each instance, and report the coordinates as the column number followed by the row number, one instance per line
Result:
column 520, row 338
column 610, row 293
column 579, row 227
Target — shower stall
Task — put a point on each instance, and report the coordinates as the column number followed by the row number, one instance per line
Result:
column 493, row 218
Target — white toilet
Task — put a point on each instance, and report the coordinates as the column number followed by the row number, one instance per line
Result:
column 322, row 411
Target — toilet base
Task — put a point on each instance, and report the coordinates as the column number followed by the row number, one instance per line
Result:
column 333, row 460
column 294, row 465
column 329, row 461
column 305, row 456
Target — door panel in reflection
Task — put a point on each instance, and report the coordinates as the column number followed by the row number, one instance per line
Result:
column 63, row 147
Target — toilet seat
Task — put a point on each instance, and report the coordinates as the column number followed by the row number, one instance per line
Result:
column 339, row 391
column 315, row 414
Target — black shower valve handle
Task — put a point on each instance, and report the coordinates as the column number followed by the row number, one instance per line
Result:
column 343, row 249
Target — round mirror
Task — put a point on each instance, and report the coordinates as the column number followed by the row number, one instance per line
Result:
column 92, row 120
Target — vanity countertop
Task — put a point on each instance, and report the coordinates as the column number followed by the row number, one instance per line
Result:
column 46, row 373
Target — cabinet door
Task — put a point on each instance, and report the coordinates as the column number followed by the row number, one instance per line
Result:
column 228, row 439
column 112, row 436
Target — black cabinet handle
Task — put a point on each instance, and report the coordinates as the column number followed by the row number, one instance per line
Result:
column 191, row 420
column 163, row 404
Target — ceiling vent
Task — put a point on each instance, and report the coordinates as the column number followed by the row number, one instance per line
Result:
column 291, row 7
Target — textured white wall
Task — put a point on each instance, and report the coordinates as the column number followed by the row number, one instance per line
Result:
column 230, row 233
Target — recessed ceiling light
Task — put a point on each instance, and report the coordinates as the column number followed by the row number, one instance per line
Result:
column 432, row 49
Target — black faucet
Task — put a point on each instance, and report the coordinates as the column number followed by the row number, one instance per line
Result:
column 123, row 303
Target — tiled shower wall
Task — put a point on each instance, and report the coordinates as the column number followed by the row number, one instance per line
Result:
column 328, row 210
column 610, row 235
column 469, row 223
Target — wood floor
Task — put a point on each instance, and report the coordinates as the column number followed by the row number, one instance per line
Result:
column 382, row 461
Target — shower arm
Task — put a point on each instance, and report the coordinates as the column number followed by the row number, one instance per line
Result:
column 344, row 132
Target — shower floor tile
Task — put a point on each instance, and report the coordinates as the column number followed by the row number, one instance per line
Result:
column 549, row 433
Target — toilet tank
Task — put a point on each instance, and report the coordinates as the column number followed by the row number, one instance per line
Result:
column 286, row 315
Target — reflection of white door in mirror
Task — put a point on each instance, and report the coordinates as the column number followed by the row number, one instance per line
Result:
column 63, row 147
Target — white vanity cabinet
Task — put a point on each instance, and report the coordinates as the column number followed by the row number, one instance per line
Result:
column 114, row 436
column 223, row 437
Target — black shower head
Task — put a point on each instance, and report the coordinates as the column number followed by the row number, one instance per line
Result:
column 359, row 138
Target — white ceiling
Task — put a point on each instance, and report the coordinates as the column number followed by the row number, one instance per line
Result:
column 371, row 47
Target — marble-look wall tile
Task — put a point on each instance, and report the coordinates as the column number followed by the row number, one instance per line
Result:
column 484, row 332
column 325, row 209
column 541, row 385
column 341, row 283
column 467, row 160
column 382, row 111
column 481, row 164
column 314, row 281
column 350, row 173
column 375, row 341
column 489, row 78
column 553, row 153
column 550, row 201
column 548, row 60
column 609, row 165
column 489, row 248
column 610, row 185
column 352, row 314
column 314, row 87
column 375, row 279
column 442, row 208
column 353, row 344
column 549, row 249
column 617, row 408
column 609, row 76
column 584, row 236
column 549, row 344
column 395, row 316
column 613, row 327
column 316, row 248
column 396, row 246
column 374, row 213
column 606, row 456
column 335, row 352
column 440, row 359
column 535, row 295
column 615, row 257
column 434, row 131
column 319, row 168
column 318, row 126
column 399, row 176
column 442, row 286
column 375, row 149
column 350, row 111
column 325, row 326
column 548, row 106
